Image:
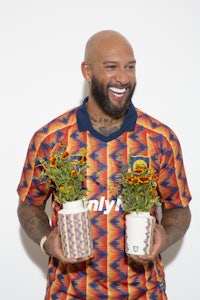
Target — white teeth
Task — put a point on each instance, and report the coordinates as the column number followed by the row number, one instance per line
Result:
column 116, row 90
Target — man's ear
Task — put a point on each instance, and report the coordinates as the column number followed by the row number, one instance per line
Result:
column 86, row 70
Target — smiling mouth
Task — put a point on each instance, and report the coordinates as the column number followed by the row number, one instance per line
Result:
column 117, row 92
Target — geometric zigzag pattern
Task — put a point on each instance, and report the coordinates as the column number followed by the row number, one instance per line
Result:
column 76, row 234
column 110, row 274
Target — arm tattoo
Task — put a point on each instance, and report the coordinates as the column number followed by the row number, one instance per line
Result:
column 176, row 222
column 34, row 221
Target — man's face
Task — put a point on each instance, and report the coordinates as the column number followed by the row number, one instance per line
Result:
column 113, row 79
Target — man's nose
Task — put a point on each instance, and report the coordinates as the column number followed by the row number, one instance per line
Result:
column 122, row 75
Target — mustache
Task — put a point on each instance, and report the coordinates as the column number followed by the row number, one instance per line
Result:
column 120, row 86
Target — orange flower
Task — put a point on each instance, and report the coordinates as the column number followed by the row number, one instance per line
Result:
column 74, row 173
column 53, row 161
column 83, row 160
column 139, row 169
column 144, row 179
column 132, row 180
column 65, row 154
column 135, row 181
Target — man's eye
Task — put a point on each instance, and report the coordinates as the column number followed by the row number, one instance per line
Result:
column 110, row 67
column 131, row 67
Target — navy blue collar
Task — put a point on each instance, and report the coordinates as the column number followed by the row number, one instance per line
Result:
column 84, row 123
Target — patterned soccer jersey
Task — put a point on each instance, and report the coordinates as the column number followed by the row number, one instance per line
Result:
column 110, row 274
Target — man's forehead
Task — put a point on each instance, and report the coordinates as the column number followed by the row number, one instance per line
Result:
column 107, row 43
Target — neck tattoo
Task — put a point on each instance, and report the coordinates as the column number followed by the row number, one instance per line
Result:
column 106, row 126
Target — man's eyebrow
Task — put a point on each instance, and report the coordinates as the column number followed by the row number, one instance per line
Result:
column 116, row 62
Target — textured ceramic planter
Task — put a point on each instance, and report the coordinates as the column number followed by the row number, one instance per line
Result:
column 139, row 233
column 75, row 227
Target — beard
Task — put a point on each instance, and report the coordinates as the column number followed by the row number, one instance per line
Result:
column 101, row 98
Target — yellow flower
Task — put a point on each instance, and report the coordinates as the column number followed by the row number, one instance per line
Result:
column 69, row 188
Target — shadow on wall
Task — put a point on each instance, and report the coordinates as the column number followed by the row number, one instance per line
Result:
column 34, row 252
column 84, row 91
column 170, row 254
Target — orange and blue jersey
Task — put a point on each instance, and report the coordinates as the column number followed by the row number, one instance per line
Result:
column 111, row 274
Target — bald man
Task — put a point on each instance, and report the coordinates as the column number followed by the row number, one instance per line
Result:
column 112, row 129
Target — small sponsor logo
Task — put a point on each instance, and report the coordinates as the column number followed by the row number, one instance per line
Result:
column 135, row 248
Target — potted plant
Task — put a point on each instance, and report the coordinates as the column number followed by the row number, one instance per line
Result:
column 65, row 174
column 139, row 195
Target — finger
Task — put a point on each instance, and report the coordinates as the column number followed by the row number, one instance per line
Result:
column 143, row 259
column 84, row 258
column 75, row 260
column 56, row 230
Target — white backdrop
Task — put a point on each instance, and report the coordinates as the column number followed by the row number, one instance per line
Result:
column 41, row 49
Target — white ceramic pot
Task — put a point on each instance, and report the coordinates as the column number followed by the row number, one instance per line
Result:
column 139, row 233
column 75, row 227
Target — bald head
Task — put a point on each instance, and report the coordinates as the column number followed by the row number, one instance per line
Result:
column 104, row 41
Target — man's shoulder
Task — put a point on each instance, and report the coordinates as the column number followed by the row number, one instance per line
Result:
column 64, row 120
column 55, row 128
column 147, row 120
column 154, row 125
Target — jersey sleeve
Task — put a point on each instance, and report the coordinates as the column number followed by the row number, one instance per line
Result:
column 30, row 189
column 172, row 182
